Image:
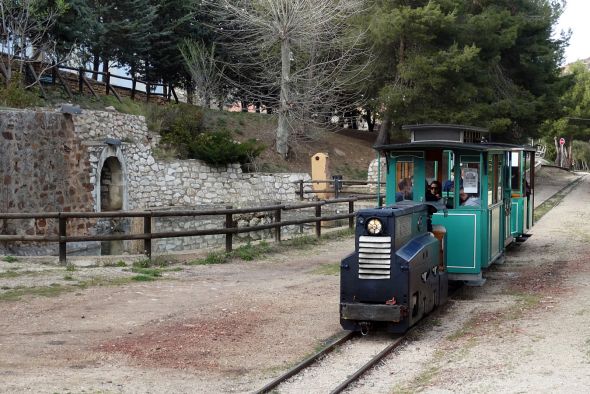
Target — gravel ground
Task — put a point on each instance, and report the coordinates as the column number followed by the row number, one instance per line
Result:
column 233, row 327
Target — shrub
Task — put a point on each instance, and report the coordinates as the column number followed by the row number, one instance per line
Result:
column 14, row 95
column 180, row 125
column 219, row 149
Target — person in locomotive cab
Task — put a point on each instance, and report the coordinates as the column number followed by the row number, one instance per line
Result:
column 405, row 190
column 468, row 200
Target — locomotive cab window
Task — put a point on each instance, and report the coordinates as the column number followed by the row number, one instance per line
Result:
column 404, row 180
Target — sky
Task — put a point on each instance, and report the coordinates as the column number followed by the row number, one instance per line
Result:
column 575, row 17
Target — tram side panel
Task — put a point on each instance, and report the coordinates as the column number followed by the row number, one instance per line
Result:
column 465, row 249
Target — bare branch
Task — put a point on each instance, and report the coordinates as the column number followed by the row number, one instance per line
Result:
column 300, row 56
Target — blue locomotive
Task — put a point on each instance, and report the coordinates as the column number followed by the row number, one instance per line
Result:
column 453, row 203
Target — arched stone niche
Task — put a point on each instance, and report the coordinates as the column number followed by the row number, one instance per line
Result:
column 111, row 180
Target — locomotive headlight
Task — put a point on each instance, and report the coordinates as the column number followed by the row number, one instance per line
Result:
column 374, row 226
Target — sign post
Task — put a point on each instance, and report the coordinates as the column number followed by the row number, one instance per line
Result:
column 561, row 155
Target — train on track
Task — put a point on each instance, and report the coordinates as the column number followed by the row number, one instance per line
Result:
column 453, row 203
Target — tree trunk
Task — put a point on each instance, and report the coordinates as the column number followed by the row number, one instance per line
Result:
column 370, row 120
column 283, row 127
column 95, row 65
column 244, row 106
column 383, row 136
column 105, row 66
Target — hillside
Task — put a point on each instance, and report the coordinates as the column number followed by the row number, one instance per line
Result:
column 350, row 151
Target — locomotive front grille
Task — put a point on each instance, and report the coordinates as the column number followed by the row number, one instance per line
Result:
column 374, row 257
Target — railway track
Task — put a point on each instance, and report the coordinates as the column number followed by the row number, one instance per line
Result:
column 312, row 361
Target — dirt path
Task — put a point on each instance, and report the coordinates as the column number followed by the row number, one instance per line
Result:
column 232, row 327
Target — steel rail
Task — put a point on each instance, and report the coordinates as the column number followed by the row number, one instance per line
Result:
column 307, row 362
column 361, row 371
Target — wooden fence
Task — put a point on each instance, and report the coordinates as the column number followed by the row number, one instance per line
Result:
column 76, row 79
column 229, row 228
column 337, row 187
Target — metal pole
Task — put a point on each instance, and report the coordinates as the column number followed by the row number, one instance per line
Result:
column 318, row 224
column 351, row 210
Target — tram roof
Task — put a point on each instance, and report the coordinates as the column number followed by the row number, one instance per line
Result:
column 451, row 145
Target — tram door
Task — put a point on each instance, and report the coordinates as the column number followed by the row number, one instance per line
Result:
column 496, row 208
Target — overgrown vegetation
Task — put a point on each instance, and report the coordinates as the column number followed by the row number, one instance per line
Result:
column 15, row 96
column 9, row 259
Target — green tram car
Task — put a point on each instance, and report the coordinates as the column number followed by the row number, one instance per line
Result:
column 453, row 203
column 498, row 179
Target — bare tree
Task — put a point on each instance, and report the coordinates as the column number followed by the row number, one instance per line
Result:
column 24, row 28
column 200, row 62
column 300, row 56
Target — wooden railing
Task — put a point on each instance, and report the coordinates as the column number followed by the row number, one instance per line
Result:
column 229, row 229
column 72, row 79
column 337, row 187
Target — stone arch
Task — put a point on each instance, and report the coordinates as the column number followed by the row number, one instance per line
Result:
column 111, row 181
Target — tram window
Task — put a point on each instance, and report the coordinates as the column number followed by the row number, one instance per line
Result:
column 494, row 179
column 404, row 180
column 516, row 180
column 469, row 192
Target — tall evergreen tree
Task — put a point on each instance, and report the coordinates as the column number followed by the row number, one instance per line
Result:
column 487, row 63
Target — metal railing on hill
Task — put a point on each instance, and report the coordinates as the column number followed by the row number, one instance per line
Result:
column 229, row 229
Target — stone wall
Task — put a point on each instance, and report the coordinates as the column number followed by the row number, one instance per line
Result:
column 53, row 162
column 43, row 168
column 373, row 173
column 155, row 183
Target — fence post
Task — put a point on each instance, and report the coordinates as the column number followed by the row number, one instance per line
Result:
column 80, row 79
column 229, row 223
column 108, row 82
column 351, row 210
column 318, row 224
column 62, row 235
column 278, row 220
column 336, row 187
column 147, row 242
column 301, row 189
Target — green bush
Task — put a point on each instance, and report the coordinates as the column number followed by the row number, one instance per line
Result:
column 14, row 95
column 179, row 125
column 219, row 149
